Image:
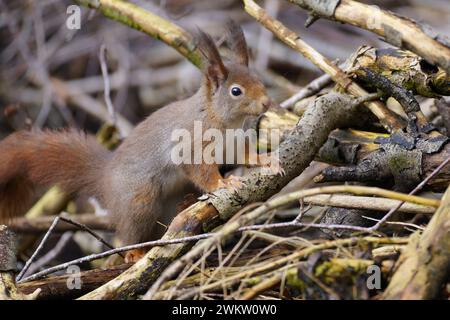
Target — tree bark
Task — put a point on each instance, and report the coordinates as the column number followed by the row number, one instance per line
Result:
column 425, row 263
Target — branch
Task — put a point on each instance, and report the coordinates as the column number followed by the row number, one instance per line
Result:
column 149, row 23
column 313, row 87
column 399, row 31
column 403, row 68
column 368, row 203
column 41, row 224
column 56, row 287
column 425, row 263
column 46, row 236
column 89, row 105
column 8, row 289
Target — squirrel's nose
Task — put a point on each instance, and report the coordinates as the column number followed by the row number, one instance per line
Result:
column 267, row 103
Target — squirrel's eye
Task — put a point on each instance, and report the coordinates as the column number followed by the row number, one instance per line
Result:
column 236, row 91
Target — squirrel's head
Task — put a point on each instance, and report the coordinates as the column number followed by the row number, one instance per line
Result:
column 234, row 91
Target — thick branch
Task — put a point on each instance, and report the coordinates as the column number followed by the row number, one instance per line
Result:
column 425, row 262
column 8, row 289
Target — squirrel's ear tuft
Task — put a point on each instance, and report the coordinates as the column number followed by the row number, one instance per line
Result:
column 212, row 64
column 236, row 42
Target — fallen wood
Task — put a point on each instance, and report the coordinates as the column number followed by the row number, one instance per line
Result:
column 387, row 163
column 425, row 262
column 275, row 266
column 56, row 287
column 41, row 224
column 8, row 289
column 368, row 203
column 362, row 156
column 403, row 68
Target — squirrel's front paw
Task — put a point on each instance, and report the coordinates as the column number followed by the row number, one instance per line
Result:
column 134, row 255
column 232, row 183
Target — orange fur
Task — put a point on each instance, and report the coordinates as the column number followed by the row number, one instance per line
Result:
column 27, row 158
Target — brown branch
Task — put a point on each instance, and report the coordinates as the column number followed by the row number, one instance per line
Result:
column 56, row 287
column 41, row 224
column 368, row 203
column 138, row 277
column 403, row 68
column 149, row 23
column 8, row 289
column 425, row 263
column 48, row 233
column 399, row 31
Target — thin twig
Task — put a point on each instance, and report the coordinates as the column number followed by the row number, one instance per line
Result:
column 45, row 238
column 52, row 254
column 367, row 203
column 114, row 251
column 88, row 230
column 107, row 88
column 398, row 223
column 302, row 224
column 313, row 87
column 262, row 286
column 265, row 38
column 38, row 249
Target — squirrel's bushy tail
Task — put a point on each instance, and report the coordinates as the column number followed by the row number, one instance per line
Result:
column 71, row 159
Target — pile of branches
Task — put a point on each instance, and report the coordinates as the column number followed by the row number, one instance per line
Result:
column 361, row 210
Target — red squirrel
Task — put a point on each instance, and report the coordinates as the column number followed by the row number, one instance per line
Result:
column 133, row 181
